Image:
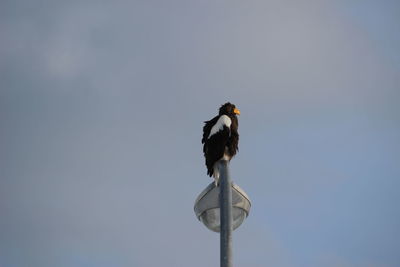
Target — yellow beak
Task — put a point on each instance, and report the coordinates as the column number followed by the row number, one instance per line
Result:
column 236, row 111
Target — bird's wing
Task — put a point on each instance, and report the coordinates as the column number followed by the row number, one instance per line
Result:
column 207, row 128
column 214, row 148
column 223, row 121
column 215, row 138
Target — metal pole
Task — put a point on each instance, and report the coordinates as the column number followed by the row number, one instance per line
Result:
column 225, row 203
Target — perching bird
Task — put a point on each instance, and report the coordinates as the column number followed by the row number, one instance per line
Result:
column 220, row 138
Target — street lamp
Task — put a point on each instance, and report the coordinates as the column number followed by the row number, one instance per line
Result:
column 223, row 209
column 207, row 207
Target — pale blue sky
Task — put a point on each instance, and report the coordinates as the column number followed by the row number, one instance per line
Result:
column 101, row 111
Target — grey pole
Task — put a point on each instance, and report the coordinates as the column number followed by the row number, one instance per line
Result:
column 225, row 202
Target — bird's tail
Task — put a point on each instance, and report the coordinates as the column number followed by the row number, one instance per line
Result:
column 216, row 174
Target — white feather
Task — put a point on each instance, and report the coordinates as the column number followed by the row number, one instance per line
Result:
column 224, row 120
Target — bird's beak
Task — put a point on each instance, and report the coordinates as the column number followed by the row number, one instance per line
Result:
column 236, row 111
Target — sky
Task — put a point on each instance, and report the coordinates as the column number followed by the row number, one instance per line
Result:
column 102, row 105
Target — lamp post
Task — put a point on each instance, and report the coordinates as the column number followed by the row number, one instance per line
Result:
column 223, row 209
column 225, row 203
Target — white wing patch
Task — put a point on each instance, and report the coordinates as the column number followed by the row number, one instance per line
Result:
column 224, row 120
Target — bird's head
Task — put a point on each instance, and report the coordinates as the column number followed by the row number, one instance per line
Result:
column 228, row 109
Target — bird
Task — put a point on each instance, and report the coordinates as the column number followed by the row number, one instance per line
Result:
column 220, row 138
